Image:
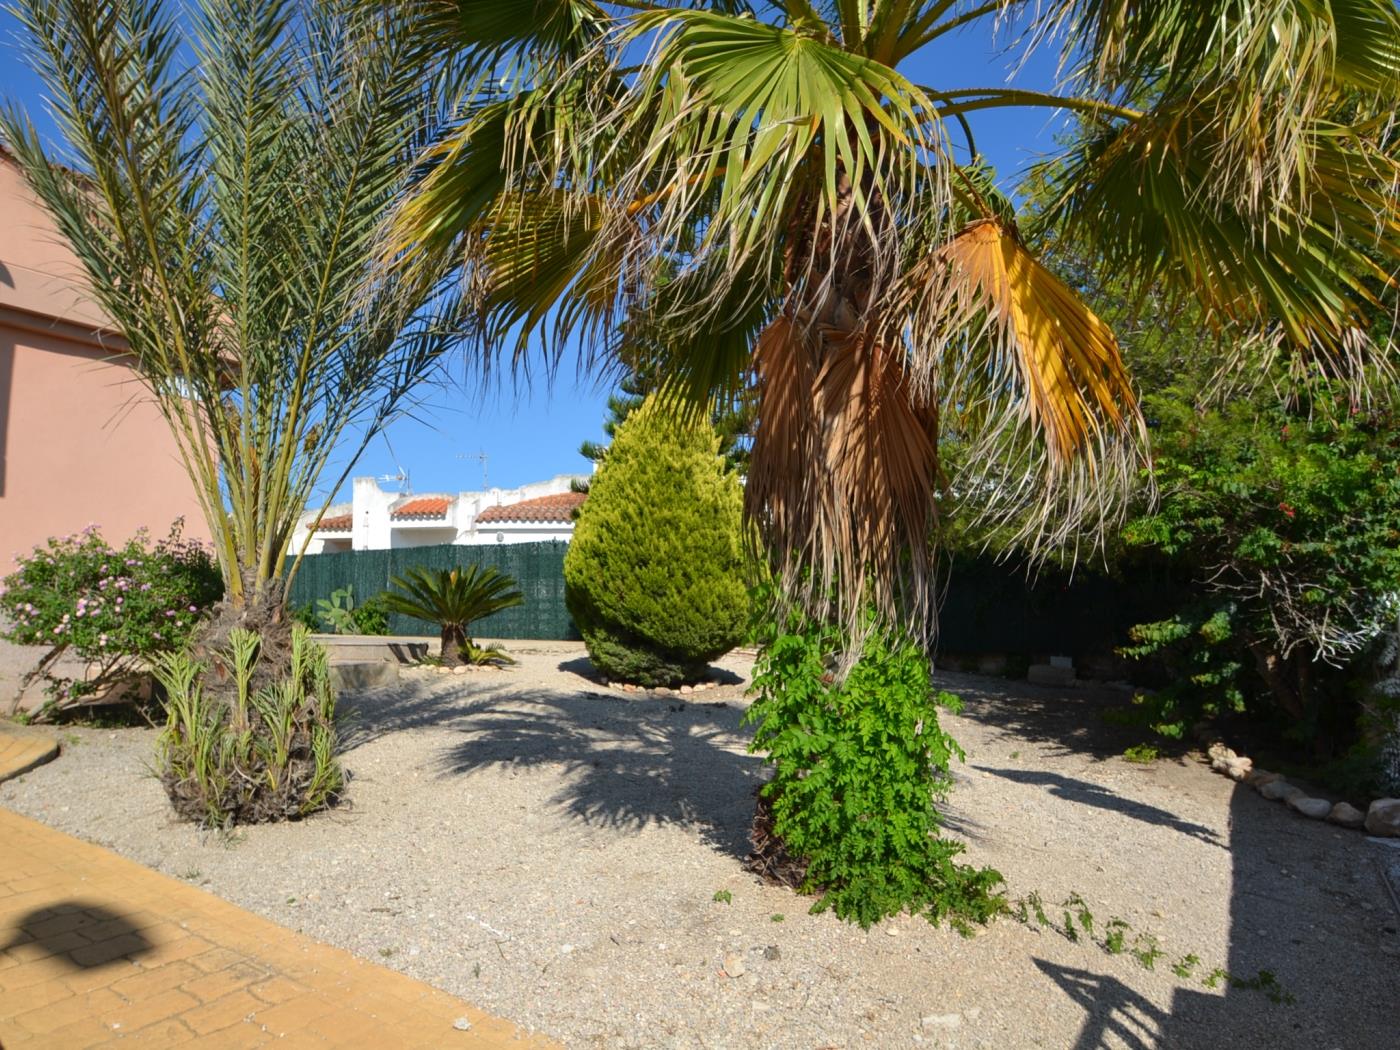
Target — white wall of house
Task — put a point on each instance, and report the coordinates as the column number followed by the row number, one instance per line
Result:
column 374, row 528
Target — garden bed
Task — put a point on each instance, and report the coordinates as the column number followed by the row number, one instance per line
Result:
column 552, row 850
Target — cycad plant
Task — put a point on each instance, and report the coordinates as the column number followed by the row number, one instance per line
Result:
column 453, row 599
column 761, row 187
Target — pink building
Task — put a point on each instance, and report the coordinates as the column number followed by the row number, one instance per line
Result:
column 80, row 440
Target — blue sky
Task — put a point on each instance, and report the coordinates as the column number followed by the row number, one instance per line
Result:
column 530, row 433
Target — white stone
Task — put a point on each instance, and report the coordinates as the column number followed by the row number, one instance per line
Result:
column 1280, row 790
column 1316, row 808
column 1383, row 818
column 1346, row 815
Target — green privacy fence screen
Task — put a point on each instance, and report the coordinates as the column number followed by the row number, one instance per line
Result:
column 538, row 569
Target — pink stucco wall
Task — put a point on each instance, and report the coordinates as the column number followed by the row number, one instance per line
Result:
column 80, row 442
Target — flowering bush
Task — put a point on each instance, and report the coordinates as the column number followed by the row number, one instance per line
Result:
column 112, row 607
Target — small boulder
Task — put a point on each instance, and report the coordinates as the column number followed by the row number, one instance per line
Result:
column 1218, row 752
column 1238, row 769
column 1346, row 815
column 1383, row 818
column 1280, row 790
column 1316, row 808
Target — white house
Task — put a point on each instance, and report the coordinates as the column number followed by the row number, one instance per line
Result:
column 377, row 520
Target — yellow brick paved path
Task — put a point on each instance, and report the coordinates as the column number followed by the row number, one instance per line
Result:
column 21, row 752
column 96, row 950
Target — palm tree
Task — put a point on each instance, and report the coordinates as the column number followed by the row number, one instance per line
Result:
column 453, row 599
column 760, row 188
column 226, row 173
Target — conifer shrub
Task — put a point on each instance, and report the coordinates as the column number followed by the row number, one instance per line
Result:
column 858, row 766
column 654, row 574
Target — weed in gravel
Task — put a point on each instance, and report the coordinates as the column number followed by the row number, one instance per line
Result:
column 1147, row 951
column 1079, row 923
column 191, row 875
column 385, row 953
column 1141, row 754
column 777, row 916
column 723, row 897
column 1186, row 966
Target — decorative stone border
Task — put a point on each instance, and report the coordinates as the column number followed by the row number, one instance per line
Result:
column 683, row 690
column 1382, row 817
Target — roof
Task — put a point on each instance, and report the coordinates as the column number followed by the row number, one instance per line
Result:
column 422, row 507
column 339, row 523
column 557, row 508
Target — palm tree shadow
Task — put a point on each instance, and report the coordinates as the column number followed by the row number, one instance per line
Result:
column 1115, row 1015
column 1089, row 794
column 625, row 763
column 76, row 934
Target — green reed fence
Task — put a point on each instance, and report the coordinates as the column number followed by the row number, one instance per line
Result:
column 538, row 569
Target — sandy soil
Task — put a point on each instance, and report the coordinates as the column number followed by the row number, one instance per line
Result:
column 551, row 849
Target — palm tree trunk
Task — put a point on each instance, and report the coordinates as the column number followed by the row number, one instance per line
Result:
column 453, row 639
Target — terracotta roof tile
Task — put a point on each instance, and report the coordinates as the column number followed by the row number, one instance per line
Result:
column 422, row 507
column 556, row 508
column 339, row 523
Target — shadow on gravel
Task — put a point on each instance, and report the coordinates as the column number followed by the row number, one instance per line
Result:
column 1115, row 1015
column 1069, row 720
column 76, row 934
column 1087, row 794
column 1307, row 909
column 583, row 667
column 626, row 762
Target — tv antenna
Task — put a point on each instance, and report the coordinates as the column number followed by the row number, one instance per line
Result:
column 481, row 457
column 401, row 478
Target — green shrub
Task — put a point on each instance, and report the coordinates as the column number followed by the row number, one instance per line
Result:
column 1284, row 519
column 115, row 608
column 858, row 766
column 654, row 574
column 453, row 599
column 267, row 753
column 341, row 615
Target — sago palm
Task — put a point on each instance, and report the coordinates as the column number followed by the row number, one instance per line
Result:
column 223, row 176
column 759, row 188
column 453, row 599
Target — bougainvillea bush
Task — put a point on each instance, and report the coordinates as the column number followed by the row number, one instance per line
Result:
column 112, row 607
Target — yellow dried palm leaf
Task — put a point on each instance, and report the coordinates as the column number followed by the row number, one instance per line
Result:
column 1066, row 359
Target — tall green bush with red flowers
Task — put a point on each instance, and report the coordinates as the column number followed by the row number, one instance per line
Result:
column 112, row 607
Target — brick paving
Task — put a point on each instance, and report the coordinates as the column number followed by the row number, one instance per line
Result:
column 97, row 951
column 21, row 752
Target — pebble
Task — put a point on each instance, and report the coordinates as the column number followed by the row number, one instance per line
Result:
column 462, row 1024
column 942, row 1021
column 733, row 964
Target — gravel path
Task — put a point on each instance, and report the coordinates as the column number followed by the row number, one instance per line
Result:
column 550, row 850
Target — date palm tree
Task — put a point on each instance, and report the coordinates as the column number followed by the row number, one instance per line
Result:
column 762, row 189
column 223, row 177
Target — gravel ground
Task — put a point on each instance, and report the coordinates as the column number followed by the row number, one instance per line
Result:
column 550, row 850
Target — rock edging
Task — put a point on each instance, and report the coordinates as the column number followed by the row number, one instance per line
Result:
column 1382, row 816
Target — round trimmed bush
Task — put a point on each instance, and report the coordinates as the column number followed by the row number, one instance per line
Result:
column 654, row 575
